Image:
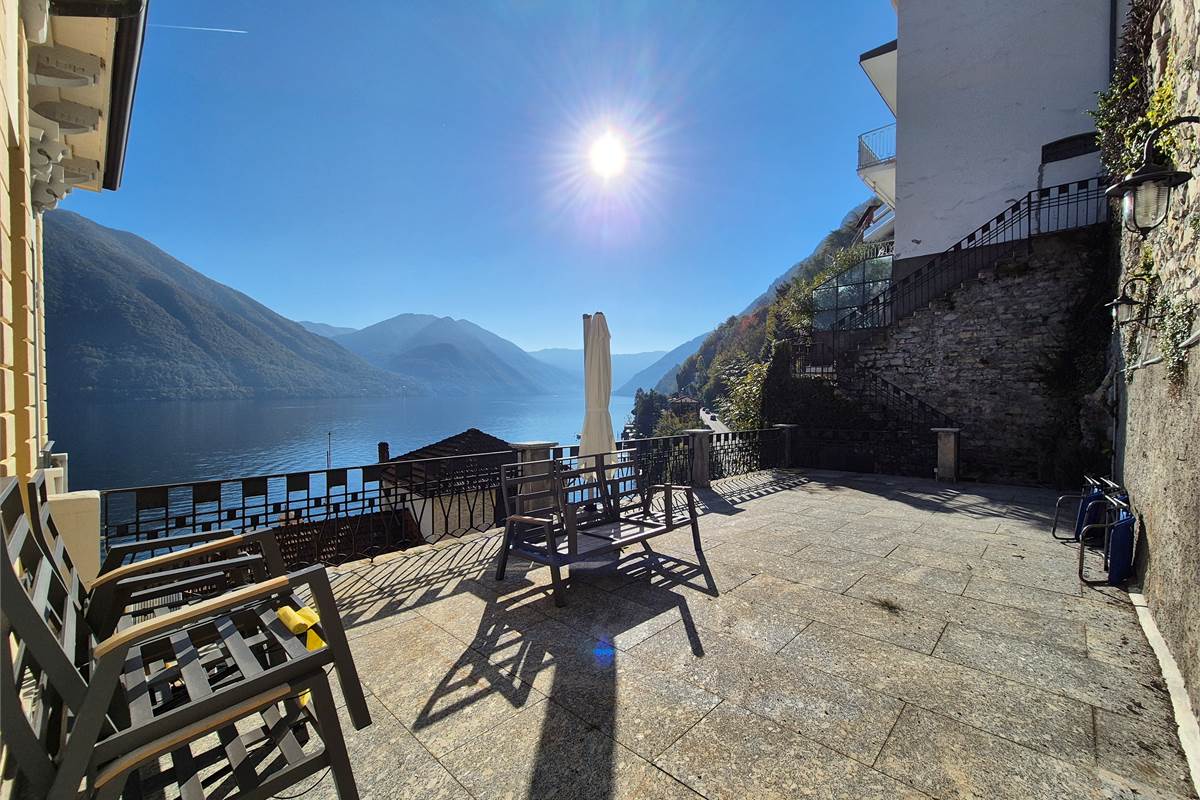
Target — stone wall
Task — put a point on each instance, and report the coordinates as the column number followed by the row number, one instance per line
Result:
column 1002, row 356
column 1158, row 443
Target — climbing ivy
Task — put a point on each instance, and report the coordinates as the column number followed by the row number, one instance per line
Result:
column 1122, row 110
column 1174, row 327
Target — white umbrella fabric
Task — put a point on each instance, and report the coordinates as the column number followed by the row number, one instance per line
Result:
column 597, row 436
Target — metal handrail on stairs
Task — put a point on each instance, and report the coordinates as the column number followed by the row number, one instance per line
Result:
column 1048, row 210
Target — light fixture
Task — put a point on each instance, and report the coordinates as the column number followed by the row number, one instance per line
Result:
column 1146, row 192
column 1124, row 308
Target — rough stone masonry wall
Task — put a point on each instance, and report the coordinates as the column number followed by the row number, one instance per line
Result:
column 987, row 355
column 1159, row 436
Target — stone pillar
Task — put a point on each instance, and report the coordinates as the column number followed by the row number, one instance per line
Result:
column 701, row 441
column 534, row 451
column 785, row 458
column 77, row 517
column 947, row 453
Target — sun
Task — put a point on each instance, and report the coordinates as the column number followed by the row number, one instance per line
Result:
column 608, row 156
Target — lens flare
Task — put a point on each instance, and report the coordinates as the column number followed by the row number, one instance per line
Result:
column 608, row 156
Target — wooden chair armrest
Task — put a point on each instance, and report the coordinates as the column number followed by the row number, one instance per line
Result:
column 148, row 629
column 116, row 553
column 265, row 539
column 530, row 520
column 176, row 739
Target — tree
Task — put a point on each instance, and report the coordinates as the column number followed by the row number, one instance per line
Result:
column 741, row 408
column 647, row 408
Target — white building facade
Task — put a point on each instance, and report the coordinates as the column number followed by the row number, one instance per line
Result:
column 991, row 102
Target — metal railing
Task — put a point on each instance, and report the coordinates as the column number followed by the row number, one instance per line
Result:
column 1049, row 210
column 321, row 516
column 877, row 146
column 740, row 452
column 904, row 410
column 666, row 459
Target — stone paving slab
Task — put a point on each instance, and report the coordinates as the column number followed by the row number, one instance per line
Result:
column 1049, row 722
column 839, row 714
column 1054, row 669
column 389, row 762
column 971, row 613
column 875, row 619
column 736, row 754
column 948, row 759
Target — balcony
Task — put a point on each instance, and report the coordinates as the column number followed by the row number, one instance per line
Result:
column 877, row 162
column 880, row 66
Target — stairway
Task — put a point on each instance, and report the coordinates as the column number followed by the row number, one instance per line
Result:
column 1042, row 211
column 900, row 440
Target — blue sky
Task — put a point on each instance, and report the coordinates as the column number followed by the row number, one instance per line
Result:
column 432, row 157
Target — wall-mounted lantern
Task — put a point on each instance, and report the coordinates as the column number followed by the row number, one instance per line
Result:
column 1125, row 308
column 1146, row 192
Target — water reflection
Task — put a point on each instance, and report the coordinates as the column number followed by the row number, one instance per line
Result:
column 136, row 443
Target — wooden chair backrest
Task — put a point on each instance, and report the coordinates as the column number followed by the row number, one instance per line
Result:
column 38, row 497
column 575, row 489
column 530, row 488
column 44, row 638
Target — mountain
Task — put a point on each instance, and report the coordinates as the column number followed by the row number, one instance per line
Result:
column 624, row 365
column 743, row 338
column 127, row 320
column 661, row 370
column 322, row 329
column 454, row 355
column 840, row 237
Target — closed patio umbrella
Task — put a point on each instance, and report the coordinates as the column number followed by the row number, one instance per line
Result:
column 597, row 436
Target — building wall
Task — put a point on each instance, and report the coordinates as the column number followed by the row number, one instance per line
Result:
column 1158, row 443
column 981, row 87
column 22, row 318
column 988, row 355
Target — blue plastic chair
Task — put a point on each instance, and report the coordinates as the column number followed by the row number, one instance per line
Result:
column 1119, row 540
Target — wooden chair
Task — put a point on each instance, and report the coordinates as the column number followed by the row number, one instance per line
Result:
column 219, row 695
column 606, row 497
column 132, row 584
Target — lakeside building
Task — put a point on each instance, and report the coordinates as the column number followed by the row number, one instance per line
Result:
column 67, row 87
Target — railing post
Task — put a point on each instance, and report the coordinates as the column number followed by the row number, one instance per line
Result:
column 701, row 447
column 785, row 430
column 947, row 453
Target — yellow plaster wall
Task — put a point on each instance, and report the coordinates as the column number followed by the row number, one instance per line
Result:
column 22, row 318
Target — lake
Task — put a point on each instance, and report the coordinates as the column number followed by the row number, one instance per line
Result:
column 138, row 443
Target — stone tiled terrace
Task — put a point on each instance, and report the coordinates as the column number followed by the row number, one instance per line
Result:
column 869, row 637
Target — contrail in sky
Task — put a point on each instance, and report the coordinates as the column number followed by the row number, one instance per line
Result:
column 194, row 28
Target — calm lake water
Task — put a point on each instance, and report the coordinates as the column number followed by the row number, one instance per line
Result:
column 139, row 443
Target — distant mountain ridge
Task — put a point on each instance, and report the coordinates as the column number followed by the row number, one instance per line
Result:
column 624, row 365
column 126, row 320
column 323, row 329
column 661, row 374
column 455, row 355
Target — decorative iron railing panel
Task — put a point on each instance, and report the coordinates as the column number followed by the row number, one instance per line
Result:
column 740, row 452
column 321, row 516
column 877, row 146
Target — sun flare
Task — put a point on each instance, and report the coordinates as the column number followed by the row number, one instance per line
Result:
column 608, row 156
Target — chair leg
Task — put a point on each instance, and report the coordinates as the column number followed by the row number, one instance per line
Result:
column 335, row 742
column 557, row 582
column 502, row 564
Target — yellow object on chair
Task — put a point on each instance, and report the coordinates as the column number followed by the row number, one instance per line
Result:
column 300, row 621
